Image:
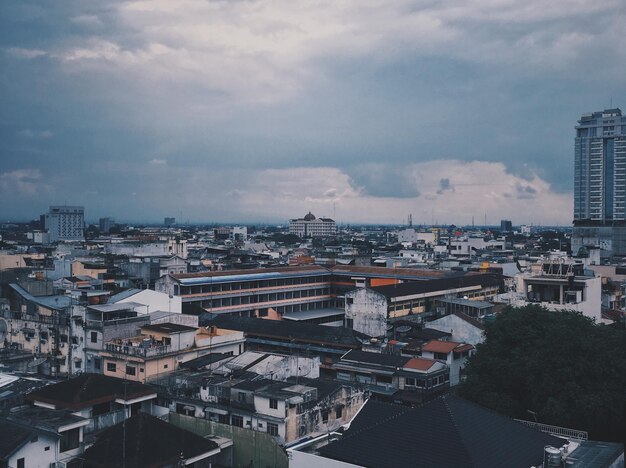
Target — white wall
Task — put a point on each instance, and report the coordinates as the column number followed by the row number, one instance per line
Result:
column 35, row 454
column 462, row 331
column 155, row 300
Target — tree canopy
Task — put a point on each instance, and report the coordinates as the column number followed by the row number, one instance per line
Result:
column 559, row 366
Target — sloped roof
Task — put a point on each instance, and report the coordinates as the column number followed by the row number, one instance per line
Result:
column 286, row 329
column 439, row 284
column 446, row 432
column 436, row 346
column 391, row 360
column 87, row 390
column 420, row 364
column 149, row 442
column 12, row 437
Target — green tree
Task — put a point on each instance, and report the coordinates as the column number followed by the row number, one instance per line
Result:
column 561, row 366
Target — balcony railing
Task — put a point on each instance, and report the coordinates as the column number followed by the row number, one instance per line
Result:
column 139, row 351
column 103, row 421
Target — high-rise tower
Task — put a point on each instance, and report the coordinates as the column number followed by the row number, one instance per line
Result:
column 600, row 182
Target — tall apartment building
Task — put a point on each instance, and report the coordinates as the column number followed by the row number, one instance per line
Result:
column 65, row 223
column 310, row 226
column 600, row 182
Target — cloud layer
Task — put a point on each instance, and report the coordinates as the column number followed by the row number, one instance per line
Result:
column 378, row 104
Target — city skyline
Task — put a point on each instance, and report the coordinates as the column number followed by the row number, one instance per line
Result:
column 230, row 112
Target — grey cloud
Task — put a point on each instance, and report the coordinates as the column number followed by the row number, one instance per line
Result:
column 444, row 186
column 382, row 180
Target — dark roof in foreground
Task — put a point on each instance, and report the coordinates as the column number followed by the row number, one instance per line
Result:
column 446, row 432
column 12, row 437
column 149, row 442
column 89, row 389
column 287, row 329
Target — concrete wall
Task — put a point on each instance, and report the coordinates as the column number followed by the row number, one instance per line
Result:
column 462, row 331
column 250, row 448
column 367, row 310
column 35, row 454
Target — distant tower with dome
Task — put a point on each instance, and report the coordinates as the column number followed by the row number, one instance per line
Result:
column 310, row 226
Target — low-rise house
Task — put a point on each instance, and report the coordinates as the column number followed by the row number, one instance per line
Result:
column 394, row 378
column 39, row 437
column 452, row 353
column 287, row 410
column 101, row 400
column 160, row 348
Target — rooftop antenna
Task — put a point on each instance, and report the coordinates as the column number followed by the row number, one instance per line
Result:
column 335, row 210
column 410, row 219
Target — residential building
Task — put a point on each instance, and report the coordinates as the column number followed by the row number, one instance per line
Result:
column 65, row 223
column 310, row 226
column 454, row 354
column 289, row 410
column 561, row 286
column 161, row 348
column 391, row 377
column 101, row 400
column 40, row 437
column 600, row 182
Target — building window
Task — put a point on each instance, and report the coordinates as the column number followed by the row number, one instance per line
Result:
column 410, row 381
column 241, row 397
column 350, row 323
column 21, row 463
column 272, row 429
column 131, row 370
column 69, row 439
column 441, row 356
column 237, row 420
column 324, row 416
column 46, row 448
column 111, row 367
column 273, row 403
column 165, row 366
column 97, row 363
column 338, row 412
column 94, row 337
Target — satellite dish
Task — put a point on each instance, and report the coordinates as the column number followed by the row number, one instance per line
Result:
column 36, row 362
column 3, row 329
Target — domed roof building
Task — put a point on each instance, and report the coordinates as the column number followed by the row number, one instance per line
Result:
column 310, row 226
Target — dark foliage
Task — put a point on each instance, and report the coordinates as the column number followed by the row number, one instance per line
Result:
column 560, row 365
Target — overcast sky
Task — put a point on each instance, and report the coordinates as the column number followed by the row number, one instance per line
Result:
column 248, row 111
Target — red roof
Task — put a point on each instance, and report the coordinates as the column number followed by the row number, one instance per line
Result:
column 419, row 364
column 435, row 346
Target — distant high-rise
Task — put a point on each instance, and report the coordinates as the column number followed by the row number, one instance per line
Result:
column 65, row 223
column 106, row 224
column 169, row 222
column 506, row 225
column 600, row 182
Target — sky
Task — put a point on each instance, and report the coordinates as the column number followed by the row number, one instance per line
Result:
column 243, row 111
